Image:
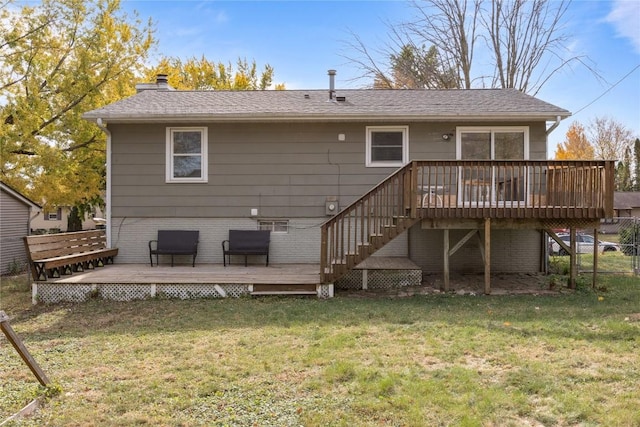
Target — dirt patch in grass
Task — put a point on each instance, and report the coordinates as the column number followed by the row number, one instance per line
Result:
column 472, row 284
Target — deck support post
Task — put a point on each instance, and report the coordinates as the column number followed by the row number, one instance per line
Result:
column 572, row 258
column 487, row 256
column 596, row 250
column 446, row 259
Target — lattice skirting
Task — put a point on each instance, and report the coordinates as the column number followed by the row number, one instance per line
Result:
column 58, row 292
column 379, row 279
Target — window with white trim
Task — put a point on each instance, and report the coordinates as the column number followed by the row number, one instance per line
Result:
column 387, row 146
column 187, row 154
column 274, row 225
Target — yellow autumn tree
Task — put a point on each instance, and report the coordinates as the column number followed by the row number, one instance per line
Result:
column 203, row 74
column 576, row 145
column 58, row 59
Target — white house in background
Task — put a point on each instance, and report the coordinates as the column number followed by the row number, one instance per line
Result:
column 57, row 219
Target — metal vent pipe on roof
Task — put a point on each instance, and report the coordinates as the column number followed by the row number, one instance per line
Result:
column 162, row 79
column 332, row 83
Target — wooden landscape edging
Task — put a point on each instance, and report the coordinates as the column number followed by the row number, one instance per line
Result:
column 22, row 350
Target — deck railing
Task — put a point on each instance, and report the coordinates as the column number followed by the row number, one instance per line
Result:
column 464, row 189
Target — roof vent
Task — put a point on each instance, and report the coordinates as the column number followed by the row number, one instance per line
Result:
column 341, row 98
column 162, row 79
column 162, row 83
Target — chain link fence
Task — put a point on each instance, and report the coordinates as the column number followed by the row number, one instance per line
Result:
column 619, row 247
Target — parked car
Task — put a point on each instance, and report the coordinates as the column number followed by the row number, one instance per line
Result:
column 584, row 244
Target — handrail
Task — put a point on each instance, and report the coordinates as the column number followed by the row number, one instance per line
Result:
column 464, row 189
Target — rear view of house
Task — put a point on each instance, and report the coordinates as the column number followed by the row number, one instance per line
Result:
column 340, row 175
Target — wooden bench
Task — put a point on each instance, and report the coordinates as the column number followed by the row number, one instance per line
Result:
column 246, row 242
column 51, row 255
column 175, row 242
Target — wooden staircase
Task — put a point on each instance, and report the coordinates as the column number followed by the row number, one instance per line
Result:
column 368, row 224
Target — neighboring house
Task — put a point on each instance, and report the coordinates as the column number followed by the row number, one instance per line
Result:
column 626, row 207
column 288, row 161
column 16, row 213
column 626, row 204
column 56, row 219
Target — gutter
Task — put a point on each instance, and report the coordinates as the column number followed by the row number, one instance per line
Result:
column 554, row 126
column 103, row 128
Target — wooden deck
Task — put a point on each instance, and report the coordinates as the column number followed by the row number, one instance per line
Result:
column 126, row 282
column 277, row 274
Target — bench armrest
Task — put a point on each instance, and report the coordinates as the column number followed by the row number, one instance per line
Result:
column 223, row 242
column 152, row 241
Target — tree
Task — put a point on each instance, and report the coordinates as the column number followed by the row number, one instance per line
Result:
column 523, row 42
column 57, row 60
column 203, row 74
column 416, row 67
column 576, row 146
column 623, row 180
column 609, row 138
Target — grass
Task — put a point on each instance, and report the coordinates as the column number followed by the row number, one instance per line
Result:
column 571, row 359
column 608, row 262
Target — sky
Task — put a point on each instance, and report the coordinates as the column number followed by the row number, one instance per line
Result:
column 302, row 39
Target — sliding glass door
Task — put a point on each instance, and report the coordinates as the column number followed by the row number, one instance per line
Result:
column 503, row 183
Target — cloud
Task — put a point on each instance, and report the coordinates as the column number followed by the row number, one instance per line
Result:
column 624, row 16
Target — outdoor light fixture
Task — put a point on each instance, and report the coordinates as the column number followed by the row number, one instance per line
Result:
column 447, row 136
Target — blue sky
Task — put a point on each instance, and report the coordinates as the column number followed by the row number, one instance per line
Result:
column 303, row 39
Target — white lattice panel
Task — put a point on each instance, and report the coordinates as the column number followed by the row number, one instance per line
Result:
column 390, row 279
column 325, row 291
column 351, row 280
column 236, row 290
column 124, row 292
column 183, row 291
column 50, row 293
column 380, row 279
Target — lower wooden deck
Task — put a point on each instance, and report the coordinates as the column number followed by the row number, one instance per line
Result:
column 275, row 274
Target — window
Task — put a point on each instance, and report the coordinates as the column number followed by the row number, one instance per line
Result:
column 55, row 215
column 187, row 154
column 488, row 185
column 275, row 226
column 500, row 143
column 387, row 146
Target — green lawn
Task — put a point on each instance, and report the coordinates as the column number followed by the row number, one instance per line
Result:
column 565, row 360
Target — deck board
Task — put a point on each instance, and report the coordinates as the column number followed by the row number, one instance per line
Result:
column 277, row 274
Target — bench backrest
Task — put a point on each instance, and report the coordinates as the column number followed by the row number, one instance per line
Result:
column 178, row 240
column 249, row 240
column 44, row 246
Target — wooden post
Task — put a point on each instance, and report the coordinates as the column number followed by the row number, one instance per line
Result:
column 487, row 256
column 446, row 259
column 22, row 350
column 596, row 250
column 572, row 258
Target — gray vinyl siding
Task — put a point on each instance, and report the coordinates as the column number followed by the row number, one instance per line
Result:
column 283, row 170
column 301, row 244
column 14, row 224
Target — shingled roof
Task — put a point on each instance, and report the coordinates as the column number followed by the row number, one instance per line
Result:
column 314, row 105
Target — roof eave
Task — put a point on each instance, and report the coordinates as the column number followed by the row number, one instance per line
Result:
column 176, row 118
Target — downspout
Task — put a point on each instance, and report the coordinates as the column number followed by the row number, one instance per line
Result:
column 554, row 126
column 103, row 128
